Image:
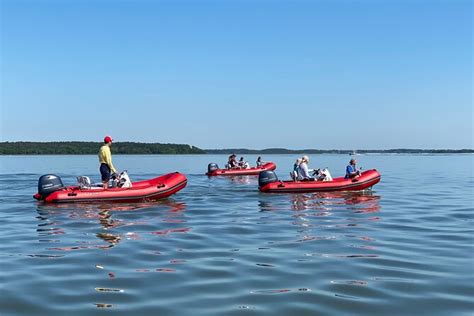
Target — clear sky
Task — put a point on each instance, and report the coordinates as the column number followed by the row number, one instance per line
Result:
column 366, row 74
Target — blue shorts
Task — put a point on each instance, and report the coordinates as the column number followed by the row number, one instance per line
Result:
column 104, row 172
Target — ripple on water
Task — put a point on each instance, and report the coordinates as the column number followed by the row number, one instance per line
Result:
column 220, row 247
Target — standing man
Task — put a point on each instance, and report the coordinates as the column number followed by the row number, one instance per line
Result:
column 105, row 160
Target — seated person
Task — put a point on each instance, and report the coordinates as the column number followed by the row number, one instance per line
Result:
column 243, row 164
column 232, row 162
column 351, row 170
column 259, row 161
column 304, row 170
column 295, row 175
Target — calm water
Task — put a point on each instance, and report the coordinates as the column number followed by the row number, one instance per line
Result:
column 219, row 247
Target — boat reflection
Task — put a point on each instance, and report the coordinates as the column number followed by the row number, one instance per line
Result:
column 54, row 219
column 358, row 202
column 336, row 218
column 105, row 219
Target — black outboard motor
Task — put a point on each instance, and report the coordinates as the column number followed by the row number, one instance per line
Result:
column 266, row 177
column 48, row 184
column 212, row 167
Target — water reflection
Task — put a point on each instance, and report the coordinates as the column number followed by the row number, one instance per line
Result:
column 242, row 179
column 325, row 202
column 55, row 219
column 359, row 202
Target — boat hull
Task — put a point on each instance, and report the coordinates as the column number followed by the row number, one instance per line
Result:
column 270, row 166
column 141, row 191
column 366, row 180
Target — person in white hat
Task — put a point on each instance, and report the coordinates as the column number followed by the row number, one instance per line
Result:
column 304, row 170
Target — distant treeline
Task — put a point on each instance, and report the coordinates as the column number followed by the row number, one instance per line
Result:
column 131, row 148
column 338, row 151
column 90, row 148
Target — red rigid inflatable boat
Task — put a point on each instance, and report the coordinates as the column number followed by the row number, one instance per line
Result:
column 140, row 191
column 365, row 180
column 241, row 172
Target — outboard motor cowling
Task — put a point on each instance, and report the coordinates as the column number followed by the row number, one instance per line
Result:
column 48, row 184
column 266, row 177
column 212, row 167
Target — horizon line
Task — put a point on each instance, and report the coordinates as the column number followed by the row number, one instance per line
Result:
column 248, row 149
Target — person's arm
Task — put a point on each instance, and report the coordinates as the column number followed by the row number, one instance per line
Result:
column 352, row 171
column 356, row 171
column 108, row 160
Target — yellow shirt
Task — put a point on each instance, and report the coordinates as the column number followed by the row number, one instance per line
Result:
column 105, row 156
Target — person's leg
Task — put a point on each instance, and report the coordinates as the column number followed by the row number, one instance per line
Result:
column 105, row 175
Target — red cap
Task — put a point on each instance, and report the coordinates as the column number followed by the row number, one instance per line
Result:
column 108, row 139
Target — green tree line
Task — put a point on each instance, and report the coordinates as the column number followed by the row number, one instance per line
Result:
column 89, row 148
column 133, row 148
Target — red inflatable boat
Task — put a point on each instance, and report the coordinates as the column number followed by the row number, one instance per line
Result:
column 268, row 182
column 213, row 170
column 51, row 189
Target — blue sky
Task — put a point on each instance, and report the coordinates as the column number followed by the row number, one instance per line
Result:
column 223, row 74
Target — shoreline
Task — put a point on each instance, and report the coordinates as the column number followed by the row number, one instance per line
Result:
column 254, row 154
column 23, row 148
